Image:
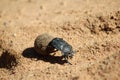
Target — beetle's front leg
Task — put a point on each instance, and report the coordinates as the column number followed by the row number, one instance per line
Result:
column 66, row 58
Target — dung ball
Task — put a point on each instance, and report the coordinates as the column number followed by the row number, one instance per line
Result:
column 41, row 44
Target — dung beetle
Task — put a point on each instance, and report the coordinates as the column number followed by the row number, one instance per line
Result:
column 65, row 48
column 45, row 44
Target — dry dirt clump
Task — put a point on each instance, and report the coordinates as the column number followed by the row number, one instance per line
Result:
column 107, row 24
column 8, row 59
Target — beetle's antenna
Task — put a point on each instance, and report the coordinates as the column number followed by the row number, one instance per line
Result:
column 74, row 52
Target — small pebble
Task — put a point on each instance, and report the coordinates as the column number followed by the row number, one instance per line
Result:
column 14, row 35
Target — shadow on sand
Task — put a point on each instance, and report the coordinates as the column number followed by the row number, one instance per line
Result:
column 31, row 53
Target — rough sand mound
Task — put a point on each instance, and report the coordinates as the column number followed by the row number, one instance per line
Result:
column 108, row 24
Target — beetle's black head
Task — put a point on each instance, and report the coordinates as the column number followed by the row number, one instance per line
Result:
column 68, row 51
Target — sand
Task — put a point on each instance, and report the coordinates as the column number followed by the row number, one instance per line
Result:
column 92, row 27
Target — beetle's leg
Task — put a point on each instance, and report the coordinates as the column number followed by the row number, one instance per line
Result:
column 66, row 58
column 63, row 54
column 69, row 63
column 70, row 57
column 53, row 54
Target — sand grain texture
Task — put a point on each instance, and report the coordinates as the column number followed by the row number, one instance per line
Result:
column 92, row 27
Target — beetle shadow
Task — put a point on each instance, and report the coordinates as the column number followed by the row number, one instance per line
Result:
column 31, row 53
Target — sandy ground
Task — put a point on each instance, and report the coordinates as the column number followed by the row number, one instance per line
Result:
column 92, row 27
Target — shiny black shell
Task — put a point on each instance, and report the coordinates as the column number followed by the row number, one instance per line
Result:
column 62, row 45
